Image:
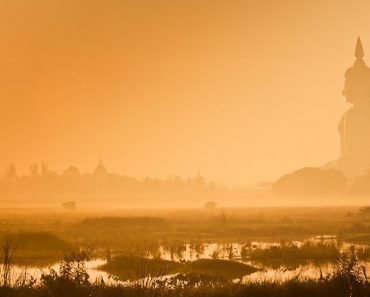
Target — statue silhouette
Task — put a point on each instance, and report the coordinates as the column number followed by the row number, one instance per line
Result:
column 354, row 132
column 354, row 127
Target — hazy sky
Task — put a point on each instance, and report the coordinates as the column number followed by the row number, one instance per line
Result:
column 243, row 90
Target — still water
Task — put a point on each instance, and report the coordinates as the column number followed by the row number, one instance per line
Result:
column 226, row 251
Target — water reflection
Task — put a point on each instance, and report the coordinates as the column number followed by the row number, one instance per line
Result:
column 26, row 273
column 234, row 251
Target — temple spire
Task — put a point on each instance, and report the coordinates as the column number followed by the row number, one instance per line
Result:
column 100, row 159
column 100, row 170
column 359, row 51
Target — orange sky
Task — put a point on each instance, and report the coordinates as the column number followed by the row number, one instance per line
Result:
column 243, row 90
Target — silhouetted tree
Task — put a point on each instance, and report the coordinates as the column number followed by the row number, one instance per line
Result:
column 34, row 170
column 10, row 173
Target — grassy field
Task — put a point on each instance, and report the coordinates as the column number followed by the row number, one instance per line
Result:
column 136, row 231
column 41, row 237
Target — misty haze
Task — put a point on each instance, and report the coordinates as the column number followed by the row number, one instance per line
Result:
column 184, row 148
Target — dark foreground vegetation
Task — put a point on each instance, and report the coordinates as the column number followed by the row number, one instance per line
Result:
column 72, row 280
column 289, row 289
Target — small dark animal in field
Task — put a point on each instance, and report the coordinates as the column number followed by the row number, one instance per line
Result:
column 70, row 205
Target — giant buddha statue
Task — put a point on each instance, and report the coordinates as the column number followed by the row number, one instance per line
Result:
column 354, row 127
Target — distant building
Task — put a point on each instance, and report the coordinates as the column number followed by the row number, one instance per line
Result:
column 100, row 170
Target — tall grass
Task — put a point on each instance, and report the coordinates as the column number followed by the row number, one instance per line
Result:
column 291, row 253
column 347, row 281
column 6, row 261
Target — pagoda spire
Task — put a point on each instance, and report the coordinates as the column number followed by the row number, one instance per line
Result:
column 100, row 170
column 359, row 51
column 100, row 159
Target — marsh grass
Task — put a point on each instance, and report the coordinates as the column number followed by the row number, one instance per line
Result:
column 336, row 285
column 225, row 269
column 113, row 222
column 289, row 253
column 349, row 280
column 38, row 248
column 132, row 267
column 129, row 235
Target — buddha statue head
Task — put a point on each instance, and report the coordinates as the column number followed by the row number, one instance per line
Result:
column 357, row 79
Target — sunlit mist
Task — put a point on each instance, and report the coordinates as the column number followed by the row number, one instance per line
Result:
column 184, row 148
